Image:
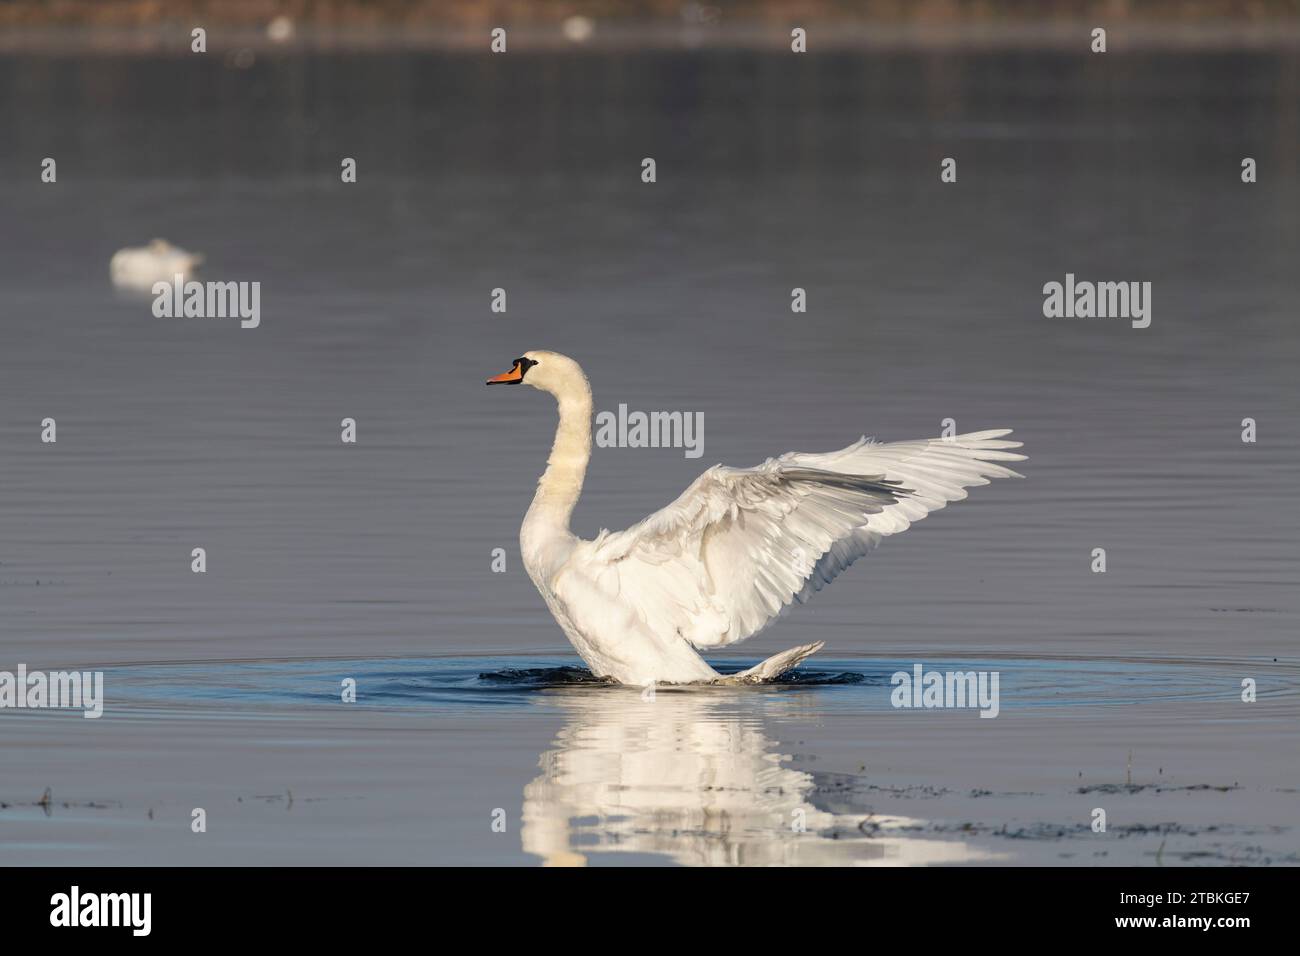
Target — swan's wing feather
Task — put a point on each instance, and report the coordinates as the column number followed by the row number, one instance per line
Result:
column 740, row 544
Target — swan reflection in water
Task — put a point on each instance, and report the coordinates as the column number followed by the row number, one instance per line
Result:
column 692, row 775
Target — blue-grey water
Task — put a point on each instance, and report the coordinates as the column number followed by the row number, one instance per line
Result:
column 328, row 560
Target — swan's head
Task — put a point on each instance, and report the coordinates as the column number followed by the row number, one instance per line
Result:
column 549, row 371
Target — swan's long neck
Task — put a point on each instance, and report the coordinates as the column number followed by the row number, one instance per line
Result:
column 561, row 484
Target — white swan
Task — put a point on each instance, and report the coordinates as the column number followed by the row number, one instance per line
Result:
column 139, row 267
column 739, row 545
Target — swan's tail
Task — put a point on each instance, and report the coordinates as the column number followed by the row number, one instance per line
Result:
column 774, row 666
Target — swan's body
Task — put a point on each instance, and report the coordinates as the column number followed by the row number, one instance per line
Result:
column 740, row 544
column 139, row 267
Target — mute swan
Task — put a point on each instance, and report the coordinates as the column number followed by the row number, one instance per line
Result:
column 721, row 561
column 139, row 267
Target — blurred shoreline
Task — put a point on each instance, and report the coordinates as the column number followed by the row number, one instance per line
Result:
column 1070, row 37
column 161, row 27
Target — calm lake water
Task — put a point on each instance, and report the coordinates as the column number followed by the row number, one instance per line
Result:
column 373, row 560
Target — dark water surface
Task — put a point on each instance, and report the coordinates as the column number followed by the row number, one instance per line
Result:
column 434, row 686
column 374, row 560
column 586, row 772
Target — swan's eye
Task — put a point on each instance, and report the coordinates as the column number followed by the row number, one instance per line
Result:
column 524, row 365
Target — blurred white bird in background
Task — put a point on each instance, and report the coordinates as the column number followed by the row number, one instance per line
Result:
column 139, row 267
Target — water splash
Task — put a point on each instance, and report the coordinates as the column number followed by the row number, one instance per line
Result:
column 465, row 684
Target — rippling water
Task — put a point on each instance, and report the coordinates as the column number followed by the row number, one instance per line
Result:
column 817, row 769
column 453, row 685
column 374, row 560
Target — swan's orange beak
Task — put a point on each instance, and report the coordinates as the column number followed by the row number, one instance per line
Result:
column 512, row 377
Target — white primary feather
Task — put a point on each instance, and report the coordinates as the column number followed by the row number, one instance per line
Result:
column 742, row 543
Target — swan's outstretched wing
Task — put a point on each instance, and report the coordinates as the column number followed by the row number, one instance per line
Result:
column 740, row 544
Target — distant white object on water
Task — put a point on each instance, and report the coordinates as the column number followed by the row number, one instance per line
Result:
column 280, row 30
column 579, row 29
column 139, row 267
